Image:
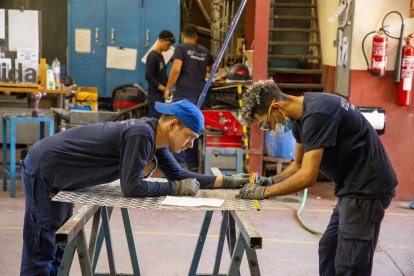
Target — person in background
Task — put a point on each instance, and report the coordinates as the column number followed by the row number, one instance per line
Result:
column 332, row 136
column 188, row 73
column 100, row 153
column 156, row 72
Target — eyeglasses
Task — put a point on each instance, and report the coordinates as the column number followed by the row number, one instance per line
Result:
column 266, row 125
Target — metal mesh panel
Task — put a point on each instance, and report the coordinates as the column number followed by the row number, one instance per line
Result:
column 26, row 133
column 111, row 195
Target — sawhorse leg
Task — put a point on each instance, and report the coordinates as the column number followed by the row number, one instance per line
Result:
column 200, row 244
column 104, row 232
column 237, row 257
column 5, row 169
column 12, row 157
column 79, row 244
column 72, row 235
column 247, row 232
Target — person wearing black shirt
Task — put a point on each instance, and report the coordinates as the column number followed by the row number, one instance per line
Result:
column 188, row 73
column 156, row 72
column 100, row 153
column 189, row 68
column 334, row 137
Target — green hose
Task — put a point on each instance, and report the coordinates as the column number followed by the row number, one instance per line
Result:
column 299, row 211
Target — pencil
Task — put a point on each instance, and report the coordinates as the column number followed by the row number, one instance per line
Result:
column 256, row 202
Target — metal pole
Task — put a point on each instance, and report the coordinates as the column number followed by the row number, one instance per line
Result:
column 221, row 53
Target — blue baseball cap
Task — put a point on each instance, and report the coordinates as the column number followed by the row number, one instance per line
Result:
column 189, row 114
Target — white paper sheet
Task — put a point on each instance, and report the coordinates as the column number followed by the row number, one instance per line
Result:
column 82, row 40
column 2, row 24
column 117, row 58
column 191, row 201
column 23, row 29
column 28, row 54
column 167, row 54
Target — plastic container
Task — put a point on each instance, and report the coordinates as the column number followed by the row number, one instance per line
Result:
column 50, row 78
column 56, row 72
column 280, row 146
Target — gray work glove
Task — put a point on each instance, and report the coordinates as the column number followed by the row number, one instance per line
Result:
column 185, row 187
column 265, row 181
column 236, row 181
column 251, row 191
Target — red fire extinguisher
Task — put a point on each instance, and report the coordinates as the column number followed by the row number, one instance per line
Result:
column 405, row 88
column 379, row 54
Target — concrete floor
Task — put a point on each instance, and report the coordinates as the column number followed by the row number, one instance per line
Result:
column 166, row 240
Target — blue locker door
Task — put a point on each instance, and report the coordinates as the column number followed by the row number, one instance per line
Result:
column 124, row 30
column 86, row 42
column 159, row 15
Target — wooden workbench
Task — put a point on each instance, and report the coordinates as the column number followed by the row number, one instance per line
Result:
column 33, row 88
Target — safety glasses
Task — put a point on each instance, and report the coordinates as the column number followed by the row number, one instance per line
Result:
column 266, row 124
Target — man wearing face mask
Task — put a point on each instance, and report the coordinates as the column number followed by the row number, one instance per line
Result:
column 334, row 137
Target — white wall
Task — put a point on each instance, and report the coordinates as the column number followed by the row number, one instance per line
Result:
column 327, row 30
column 368, row 15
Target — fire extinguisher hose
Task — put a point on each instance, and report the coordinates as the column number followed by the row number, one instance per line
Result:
column 363, row 48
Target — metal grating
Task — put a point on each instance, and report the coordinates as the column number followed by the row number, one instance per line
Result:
column 26, row 133
column 111, row 195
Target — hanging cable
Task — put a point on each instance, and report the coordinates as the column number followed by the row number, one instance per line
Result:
column 299, row 214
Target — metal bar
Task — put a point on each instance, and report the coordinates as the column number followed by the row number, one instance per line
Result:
column 84, row 260
column 200, row 244
column 203, row 11
column 130, row 240
column 5, row 169
column 94, row 233
column 74, row 225
column 12, row 156
column 252, row 261
column 99, row 243
column 219, row 252
column 249, row 232
column 108, row 239
column 67, row 259
column 41, row 130
column 231, row 234
column 221, row 53
column 237, row 256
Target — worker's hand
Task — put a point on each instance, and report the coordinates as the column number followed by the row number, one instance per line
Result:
column 167, row 94
column 251, row 191
column 185, row 187
column 265, row 181
column 235, row 181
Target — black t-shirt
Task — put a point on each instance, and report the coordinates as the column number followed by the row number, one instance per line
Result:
column 100, row 153
column 191, row 81
column 354, row 157
column 155, row 74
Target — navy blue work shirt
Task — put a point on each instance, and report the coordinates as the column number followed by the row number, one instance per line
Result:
column 155, row 74
column 354, row 157
column 195, row 60
column 100, row 153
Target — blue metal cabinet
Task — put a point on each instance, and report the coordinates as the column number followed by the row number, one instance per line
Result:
column 115, row 23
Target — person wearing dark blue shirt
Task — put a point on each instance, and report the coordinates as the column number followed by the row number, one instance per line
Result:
column 100, row 153
column 189, row 68
column 334, row 137
column 156, row 71
column 188, row 73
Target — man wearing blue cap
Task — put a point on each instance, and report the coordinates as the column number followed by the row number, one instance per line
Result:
column 99, row 153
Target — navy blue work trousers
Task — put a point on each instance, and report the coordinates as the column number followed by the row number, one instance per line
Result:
column 40, row 255
column 347, row 247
